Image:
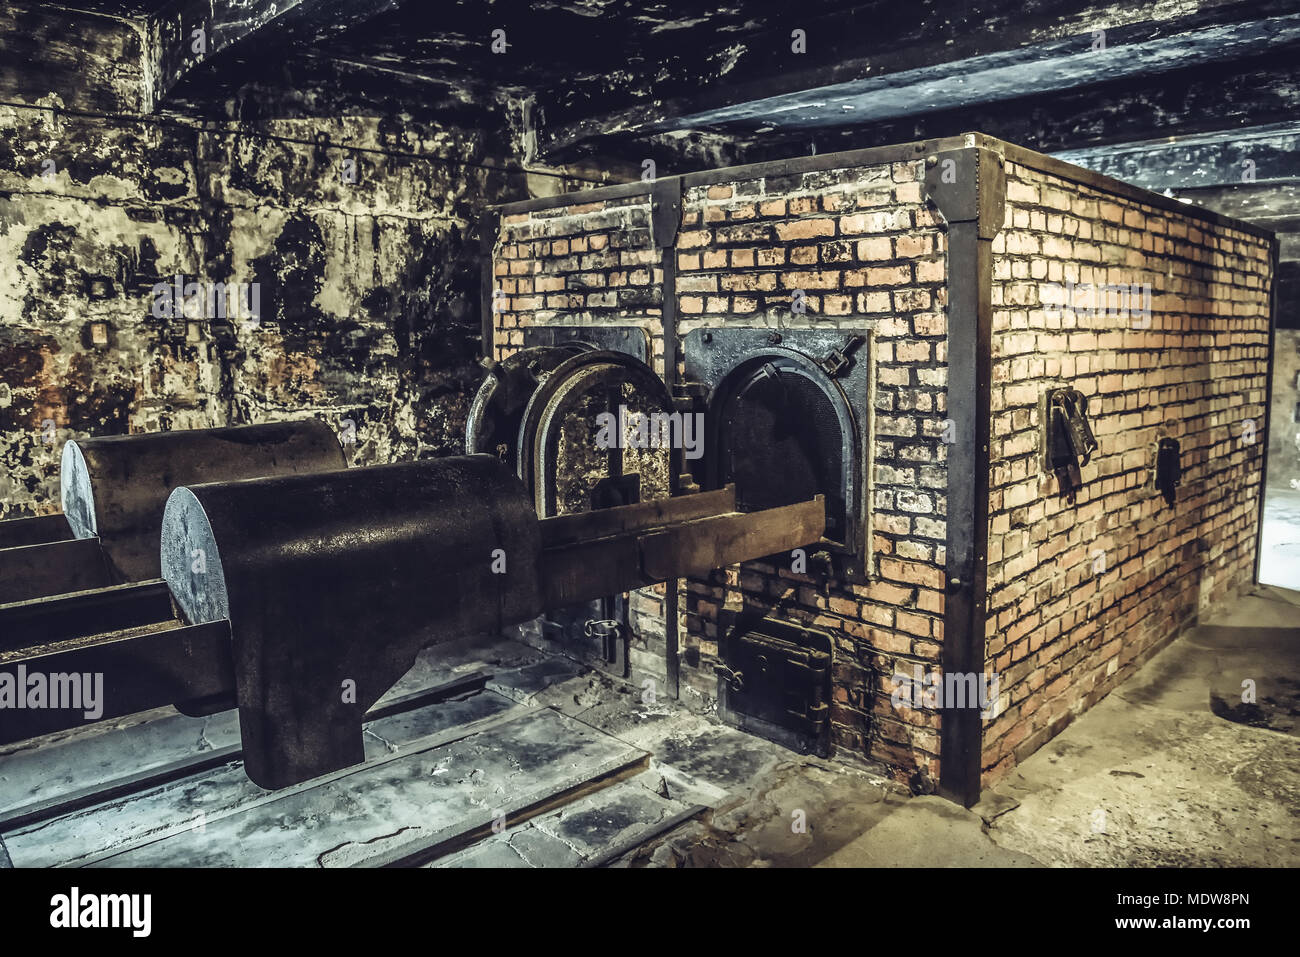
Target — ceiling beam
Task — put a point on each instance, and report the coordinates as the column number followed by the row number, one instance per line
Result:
column 887, row 70
column 186, row 35
column 80, row 60
column 1230, row 157
column 1274, row 206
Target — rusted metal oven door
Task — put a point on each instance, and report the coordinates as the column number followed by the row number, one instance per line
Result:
column 566, row 414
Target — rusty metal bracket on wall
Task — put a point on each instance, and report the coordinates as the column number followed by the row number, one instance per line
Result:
column 968, row 188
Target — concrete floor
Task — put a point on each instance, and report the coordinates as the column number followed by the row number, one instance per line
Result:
column 1172, row 769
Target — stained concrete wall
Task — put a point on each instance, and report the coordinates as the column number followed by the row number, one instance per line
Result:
column 368, row 289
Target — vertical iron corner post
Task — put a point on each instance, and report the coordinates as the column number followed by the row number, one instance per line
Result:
column 665, row 221
column 489, row 231
column 968, row 188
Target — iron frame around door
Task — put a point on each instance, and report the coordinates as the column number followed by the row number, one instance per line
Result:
column 721, row 359
column 538, row 435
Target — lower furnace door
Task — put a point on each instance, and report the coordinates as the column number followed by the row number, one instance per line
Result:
column 775, row 682
column 595, row 633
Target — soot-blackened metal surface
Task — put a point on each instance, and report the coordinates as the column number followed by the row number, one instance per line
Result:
column 538, row 428
column 779, row 440
column 633, row 340
column 972, row 202
column 40, row 530
column 776, row 683
column 143, row 667
column 333, row 581
column 38, row 571
column 571, row 473
column 759, row 378
column 116, row 487
column 502, row 396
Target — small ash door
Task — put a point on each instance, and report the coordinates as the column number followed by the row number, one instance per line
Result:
column 776, row 684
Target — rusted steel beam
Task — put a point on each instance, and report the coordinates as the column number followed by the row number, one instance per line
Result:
column 587, row 526
column 78, row 615
column 111, row 675
column 697, row 547
column 659, row 550
column 40, row 530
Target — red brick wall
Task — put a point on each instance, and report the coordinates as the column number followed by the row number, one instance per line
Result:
column 1059, row 634
column 579, row 264
column 868, row 253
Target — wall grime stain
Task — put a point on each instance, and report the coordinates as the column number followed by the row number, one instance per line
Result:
column 367, row 282
column 28, row 453
column 292, row 274
column 22, row 364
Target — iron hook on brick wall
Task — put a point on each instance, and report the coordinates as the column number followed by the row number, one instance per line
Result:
column 1069, row 442
column 1169, row 468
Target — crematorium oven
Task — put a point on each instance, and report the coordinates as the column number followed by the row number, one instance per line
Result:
column 859, row 451
column 1025, row 392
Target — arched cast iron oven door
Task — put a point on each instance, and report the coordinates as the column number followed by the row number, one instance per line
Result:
column 498, row 405
column 559, row 460
column 558, row 397
column 782, row 430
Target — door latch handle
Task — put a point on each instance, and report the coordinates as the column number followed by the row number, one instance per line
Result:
column 837, row 360
column 608, row 631
column 735, row 679
column 1070, row 442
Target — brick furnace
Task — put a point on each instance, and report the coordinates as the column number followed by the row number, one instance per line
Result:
column 1034, row 399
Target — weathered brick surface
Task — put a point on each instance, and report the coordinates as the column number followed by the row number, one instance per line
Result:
column 866, row 252
column 1081, row 593
column 585, row 263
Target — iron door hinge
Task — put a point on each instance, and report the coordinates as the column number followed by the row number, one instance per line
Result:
column 735, row 679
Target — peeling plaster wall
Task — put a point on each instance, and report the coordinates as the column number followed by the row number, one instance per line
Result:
column 368, row 290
